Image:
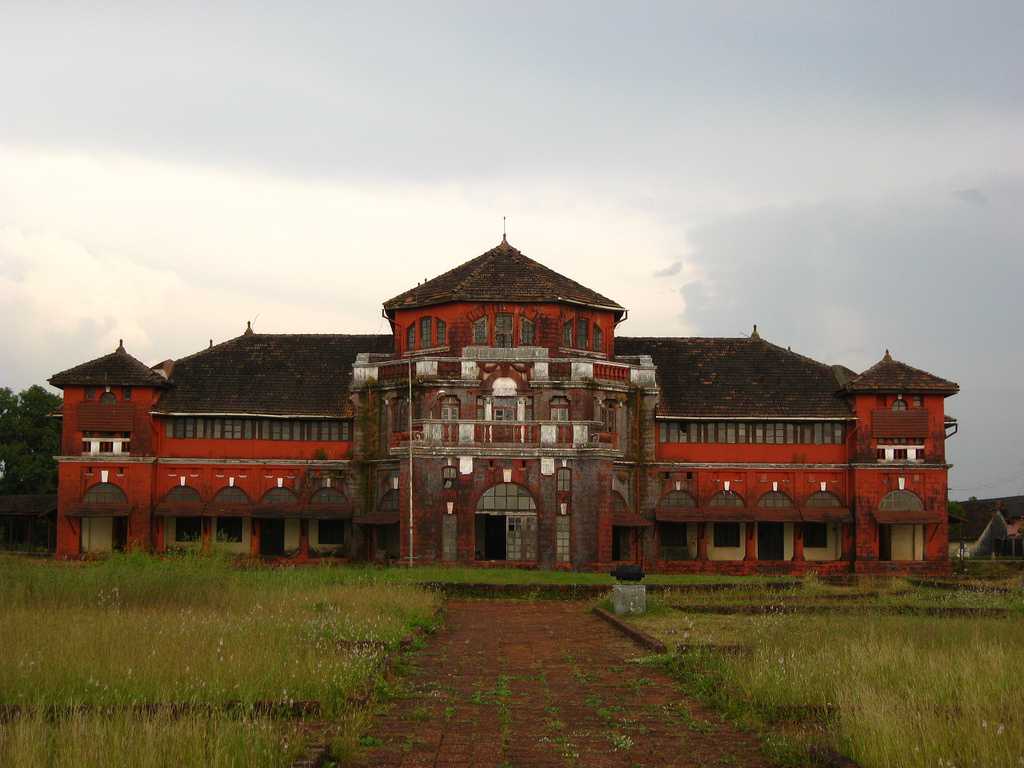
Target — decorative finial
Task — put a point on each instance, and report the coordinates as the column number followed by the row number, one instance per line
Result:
column 211, row 344
column 120, row 345
column 248, row 328
column 755, row 334
column 888, row 357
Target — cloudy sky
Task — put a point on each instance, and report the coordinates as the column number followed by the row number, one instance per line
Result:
column 849, row 176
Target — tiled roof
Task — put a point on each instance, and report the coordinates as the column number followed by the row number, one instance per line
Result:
column 271, row 374
column 889, row 375
column 28, row 504
column 501, row 274
column 116, row 369
column 738, row 377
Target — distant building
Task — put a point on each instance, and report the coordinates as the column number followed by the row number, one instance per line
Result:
column 988, row 528
column 28, row 523
column 538, row 437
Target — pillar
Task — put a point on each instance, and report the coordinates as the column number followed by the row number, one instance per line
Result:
column 798, row 542
column 254, row 538
column 160, row 524
column 207, row 533
column 750, row 532
column 303, row 539
column 847, row 534
column 702, row 542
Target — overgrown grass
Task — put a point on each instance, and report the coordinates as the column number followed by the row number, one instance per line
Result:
column 892, row 691
column 87, row 741
column 135, row 630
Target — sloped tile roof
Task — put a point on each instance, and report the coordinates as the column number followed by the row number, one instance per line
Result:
column 501, row 274
column 889, row 375
column 28, row 504
column 270, row 374
column 737, row 377
column 116, row 369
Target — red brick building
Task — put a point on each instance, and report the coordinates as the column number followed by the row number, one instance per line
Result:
column 504, row 420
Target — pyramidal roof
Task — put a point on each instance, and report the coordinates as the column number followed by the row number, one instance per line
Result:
column 116, row 369
column 889, row 375
column 504, row 273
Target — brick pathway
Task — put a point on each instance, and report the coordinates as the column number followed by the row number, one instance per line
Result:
column 528, row 684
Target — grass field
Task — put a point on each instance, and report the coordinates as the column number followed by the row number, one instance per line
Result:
column 887, row 690
column 192, row 631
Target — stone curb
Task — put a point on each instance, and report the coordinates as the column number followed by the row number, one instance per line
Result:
column 640, row 638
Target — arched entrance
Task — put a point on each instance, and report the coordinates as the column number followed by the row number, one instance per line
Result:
column 506, row 524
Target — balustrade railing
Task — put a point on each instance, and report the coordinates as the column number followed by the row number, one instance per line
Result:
column 510, row 433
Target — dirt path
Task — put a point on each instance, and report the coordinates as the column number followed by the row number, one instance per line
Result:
column 528, row 684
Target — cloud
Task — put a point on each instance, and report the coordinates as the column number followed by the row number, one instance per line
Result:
column 918, row 273
column 672, row 269
column 94, row 248
column 972, row 196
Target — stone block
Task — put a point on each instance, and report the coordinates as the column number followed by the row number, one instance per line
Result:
column 629, row 599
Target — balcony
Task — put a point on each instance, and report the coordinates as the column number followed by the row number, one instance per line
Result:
column 543, row 434
column 635, row 371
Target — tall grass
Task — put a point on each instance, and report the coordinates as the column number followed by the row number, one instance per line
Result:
column 902, row 692
column 84, row 741
column 134, row 630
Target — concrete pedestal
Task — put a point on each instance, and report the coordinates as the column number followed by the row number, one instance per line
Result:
column 629, row 599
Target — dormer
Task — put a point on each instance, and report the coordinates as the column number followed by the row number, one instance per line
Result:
column 503, row 299
column 900, row 412
column 106, row 405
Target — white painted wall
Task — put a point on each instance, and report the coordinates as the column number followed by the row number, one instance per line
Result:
column 907, row 542
column 97, row 534
column 832, row 549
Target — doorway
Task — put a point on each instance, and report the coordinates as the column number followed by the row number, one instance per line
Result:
column 272, row 538
column 622, row 543
column 491, row 536
column 771, row 541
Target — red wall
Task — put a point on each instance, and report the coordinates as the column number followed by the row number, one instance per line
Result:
column 548, row 320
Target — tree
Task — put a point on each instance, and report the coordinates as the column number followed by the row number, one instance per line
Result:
column 29, row 439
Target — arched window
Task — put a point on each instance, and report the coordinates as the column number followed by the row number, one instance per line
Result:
column 582, row 332
column 426, row 332
column 726, row 499
column 823, row 499
column 388, row 502
column 598, row 338
column 442, row 332
column 609, row 413
column 108, row 398
column 183, row 494
column 564, row 479
column 619, row 502
column 506, row 497
column 280, row 496
column 559, row 409
column 503, row 330
column 567, row 333
column 526, row 332
column 231, row 494
column 105, row 493
column 399, row 414
column 449, row 408
column 775, row 500
column 480, row 331
column 410, row 337
column 678, row 499
column 899, row 404
column 328, row 496
column 481, row 408
column 901, row 501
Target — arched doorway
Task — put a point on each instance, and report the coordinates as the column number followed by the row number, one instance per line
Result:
column 506, row 524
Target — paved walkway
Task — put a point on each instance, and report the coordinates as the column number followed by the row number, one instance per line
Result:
column 523, row 684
